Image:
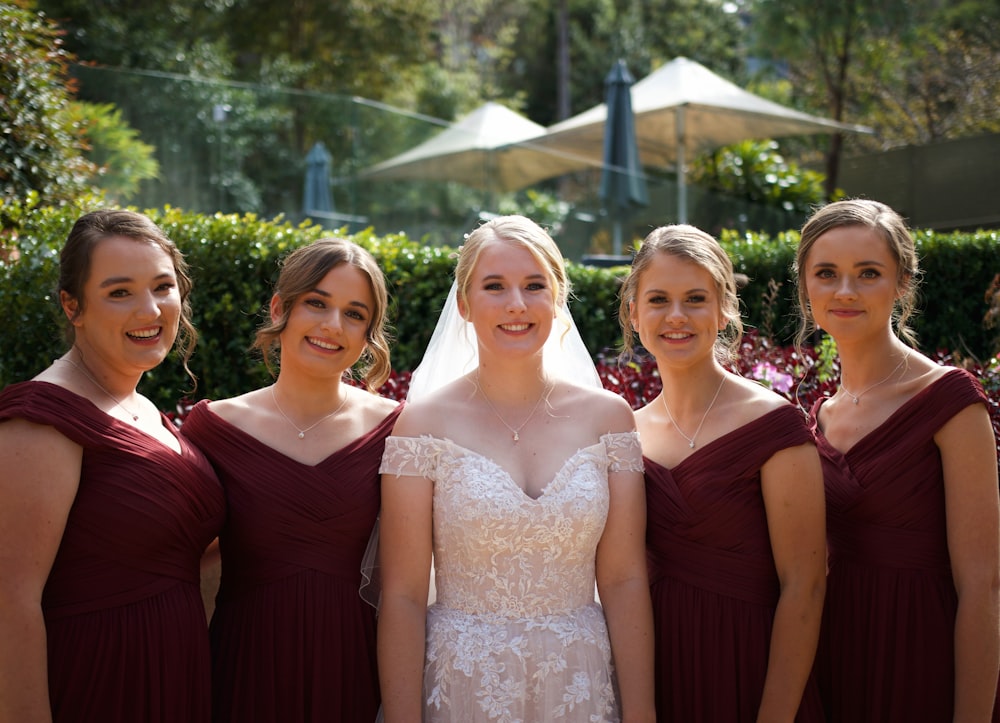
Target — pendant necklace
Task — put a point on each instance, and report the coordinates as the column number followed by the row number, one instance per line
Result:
column 515, row 431
column 302, row 432
column 857, row 397
column 82, row 368
column 690, row 440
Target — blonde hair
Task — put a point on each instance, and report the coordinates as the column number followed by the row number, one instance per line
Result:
column 523, row 232
column 300, row 273
column 694, row 245
column 891, row 228
column 517, row 230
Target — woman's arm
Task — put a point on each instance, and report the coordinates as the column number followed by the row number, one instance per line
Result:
column 405, row 555
column 623, row 584
column 792, row 486
column 969, row 463
column 211, row 572
column 39, row 477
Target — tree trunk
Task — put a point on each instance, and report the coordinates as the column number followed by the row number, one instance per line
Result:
column 563, row 104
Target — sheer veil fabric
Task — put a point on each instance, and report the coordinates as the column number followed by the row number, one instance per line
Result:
column 452, row 352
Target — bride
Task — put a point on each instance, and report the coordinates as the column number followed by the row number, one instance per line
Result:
column 522, row 479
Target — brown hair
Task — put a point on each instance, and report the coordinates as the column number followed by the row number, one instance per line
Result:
column 301, row 271
column 891, row 228
column 694, row 245
column 77, row 253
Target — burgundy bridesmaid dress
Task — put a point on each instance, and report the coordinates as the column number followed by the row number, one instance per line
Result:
column 126, row 629
column 712, row 576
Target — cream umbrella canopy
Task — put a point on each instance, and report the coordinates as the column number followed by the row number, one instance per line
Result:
column 491, row 149
column 684, row 108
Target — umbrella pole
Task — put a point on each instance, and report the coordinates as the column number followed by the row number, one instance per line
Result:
column 682, row 211
column 616, row 237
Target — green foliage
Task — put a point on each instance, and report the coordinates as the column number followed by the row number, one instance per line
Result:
column 32, row 330
column 756, row 171
column 163, row 34
column 914, row 70
column 942, row 85
column 40, row 145
column 122, row 160
column 234, row 262
column 645, row 34
column 826, row 359
column 594, row 304
column 543, row 208
column 958, row 269
column 418, row 277
column 350, row 46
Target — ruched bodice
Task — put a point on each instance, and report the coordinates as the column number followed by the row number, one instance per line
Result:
column 712, row 574
column 126, row 631
column 887, row 644
column 292, row 640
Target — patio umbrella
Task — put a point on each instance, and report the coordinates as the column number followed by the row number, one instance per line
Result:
column 683, row 108
column 317, row 199
column 491, row 149
column 623, row 184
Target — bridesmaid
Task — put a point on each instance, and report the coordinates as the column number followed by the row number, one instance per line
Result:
column 104, row 510
column 735, row 537
column 910, row 628
column 292, row 640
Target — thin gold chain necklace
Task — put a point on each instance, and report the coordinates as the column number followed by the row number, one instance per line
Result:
column 82, row 368
column 515, row 431
column 302, row 432
column 857, row 397
column 690, row 440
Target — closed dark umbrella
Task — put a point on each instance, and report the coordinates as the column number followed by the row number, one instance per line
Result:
column 623, row 185
column 317, row 200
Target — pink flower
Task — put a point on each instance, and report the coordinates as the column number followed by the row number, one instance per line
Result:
column 768, row 374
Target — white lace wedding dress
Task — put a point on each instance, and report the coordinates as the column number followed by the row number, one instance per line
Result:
column 515, row 634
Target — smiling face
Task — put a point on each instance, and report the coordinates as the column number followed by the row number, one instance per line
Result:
column 326, row 328
column 677, row 311
column 851, row 283
column 509, row 299
column 131, row 306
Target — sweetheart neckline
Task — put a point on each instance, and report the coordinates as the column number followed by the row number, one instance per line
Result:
column 544, row 492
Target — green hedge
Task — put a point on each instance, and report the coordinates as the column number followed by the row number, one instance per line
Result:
column 957, row 271
column 234, row 262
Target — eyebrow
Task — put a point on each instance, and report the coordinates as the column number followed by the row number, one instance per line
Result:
column 327, row 295
column 500, row 277
column 830, row 264
column 688, row 291
column 115, row 280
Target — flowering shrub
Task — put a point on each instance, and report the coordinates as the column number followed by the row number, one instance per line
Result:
column 800, row 378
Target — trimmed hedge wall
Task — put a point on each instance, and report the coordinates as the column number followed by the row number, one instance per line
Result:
column 957, row 271
column 234, row 263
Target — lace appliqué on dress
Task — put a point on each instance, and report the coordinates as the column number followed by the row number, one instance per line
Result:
column 515, row 634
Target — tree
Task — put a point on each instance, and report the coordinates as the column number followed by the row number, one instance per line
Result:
column 41, row 150
column 122, row 160
column 349, row 46
column 824, row 43
column 646, row 33
column 945, row 84
column 914, row 70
